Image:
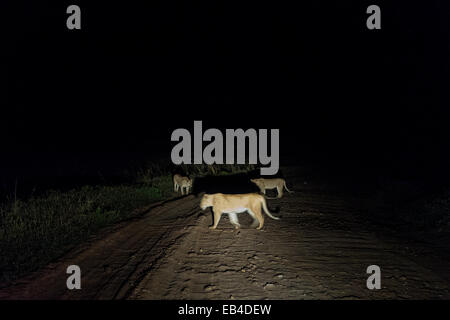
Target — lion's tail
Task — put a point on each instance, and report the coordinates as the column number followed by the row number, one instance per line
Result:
column 266, row 210
column 287, row 188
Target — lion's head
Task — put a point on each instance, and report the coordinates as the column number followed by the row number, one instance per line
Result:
column 206, row 201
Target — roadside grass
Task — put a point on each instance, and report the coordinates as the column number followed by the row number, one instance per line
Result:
column 146, row 174
column 35, row 231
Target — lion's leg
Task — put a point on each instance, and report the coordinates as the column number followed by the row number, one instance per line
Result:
column 255, row 222
column 258, row 214
column 258, row 219
column 216, row 215
column 280, row 191
column 234, row 220
column 175, row 187
column 261, row 222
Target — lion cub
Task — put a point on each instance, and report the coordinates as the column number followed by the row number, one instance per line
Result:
column 236, row 203
column 180, row 182
column 264, row 184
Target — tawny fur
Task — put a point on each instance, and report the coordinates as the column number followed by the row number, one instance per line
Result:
column 182, row 183
column 264, row 184
column 236, row 203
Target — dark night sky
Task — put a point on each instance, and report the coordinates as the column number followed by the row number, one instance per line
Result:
column 137, row 71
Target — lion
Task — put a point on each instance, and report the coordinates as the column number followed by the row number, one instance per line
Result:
column 236, row 203
column 180, row 182
column 264, row 184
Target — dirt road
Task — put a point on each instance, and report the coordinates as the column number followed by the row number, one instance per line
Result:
column 320, row 249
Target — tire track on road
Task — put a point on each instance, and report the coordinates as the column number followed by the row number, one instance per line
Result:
column 320, row 249
column 113, row 264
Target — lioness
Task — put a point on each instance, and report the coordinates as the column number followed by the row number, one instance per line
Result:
column 236, row 203
column 264, row 184
column 180, row 182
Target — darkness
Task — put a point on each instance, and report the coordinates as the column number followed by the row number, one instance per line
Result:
column 94, row 100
